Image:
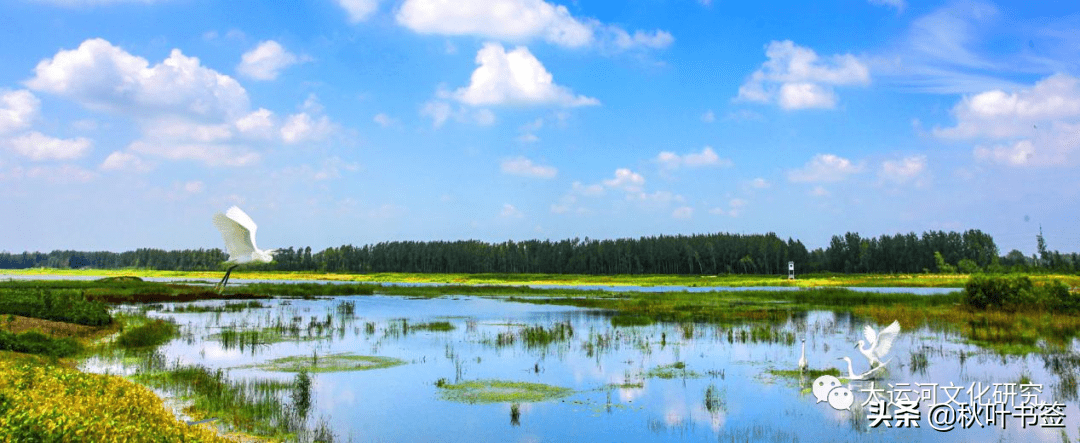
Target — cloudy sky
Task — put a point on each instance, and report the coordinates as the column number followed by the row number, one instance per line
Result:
column 128, row 123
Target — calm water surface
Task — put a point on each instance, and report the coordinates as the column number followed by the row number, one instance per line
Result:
column 402, row 403
column 912, row 290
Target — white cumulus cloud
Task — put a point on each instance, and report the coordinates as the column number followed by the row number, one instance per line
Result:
column 194, row 187
column 38, row 146
column 265, row 61
column 384, row 120
column 707, row 157
column 102, row 76
column 824, row 168
column 623, row 40
column 735, row 208
column 683, row 212
column 1036, row 125
column 257, row 124
column 210, row 154
column 61, row 174
column 903, row 170
column 17, row 110
column 440, row 112
column 795, row 77
column 806, row 95
column 1014, row 154
column 125, row 161
column 524, row 167
column 515, row 78
column 626, row 180
column 509, row 211
column 359, row 10
column 303, row 127
column 522, row 21
column 513, row 20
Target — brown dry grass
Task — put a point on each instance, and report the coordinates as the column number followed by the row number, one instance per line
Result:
column 55, row 329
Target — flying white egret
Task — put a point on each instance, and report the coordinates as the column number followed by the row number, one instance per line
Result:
column 879, row 343
column 873, row 372
column 802, row 358
column 238, row 231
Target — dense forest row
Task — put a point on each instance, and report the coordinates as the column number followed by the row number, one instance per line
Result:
column 934, row 251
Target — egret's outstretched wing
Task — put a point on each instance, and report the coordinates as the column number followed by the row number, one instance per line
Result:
column 886, row 338
column 870, row 334
column 244, row 220
column 241, row 217
column 237, row 237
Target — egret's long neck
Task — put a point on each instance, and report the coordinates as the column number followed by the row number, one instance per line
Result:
column 804, row 350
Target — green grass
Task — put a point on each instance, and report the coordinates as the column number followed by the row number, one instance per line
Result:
column 251, row 406
column 34, row 342
column 500, row 391
column 30, row 299
column 802, row 280
column 538, row 336
column 1004, row 332
column 40, row 298
column 233, row 338
column 153, row 333
column 307, row 289
column 227, row 307
column 810, row 373
column 439, row 326
column 630, row 320
column 117, row 290
column 736, row 306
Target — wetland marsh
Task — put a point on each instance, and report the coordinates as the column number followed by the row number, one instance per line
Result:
column 366, row 362
column 429, row 368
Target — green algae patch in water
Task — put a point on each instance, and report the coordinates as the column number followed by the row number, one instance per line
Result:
column 674, row 370
column 499, row 391
column 330, row 363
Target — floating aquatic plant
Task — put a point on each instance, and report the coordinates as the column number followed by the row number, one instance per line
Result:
column 500, row 391
column 330, row 363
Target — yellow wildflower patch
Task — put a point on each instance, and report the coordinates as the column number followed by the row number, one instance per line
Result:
column 55, row 403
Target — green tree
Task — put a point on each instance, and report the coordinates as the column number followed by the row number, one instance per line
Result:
column 942, row 266
column 968, row 266
column 1044, row 255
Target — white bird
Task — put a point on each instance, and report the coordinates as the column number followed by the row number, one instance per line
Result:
column 238, row 231
column 880, row 344
column 802, row 358
column 873, row 372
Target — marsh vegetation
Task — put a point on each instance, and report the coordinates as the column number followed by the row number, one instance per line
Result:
column 675, row 364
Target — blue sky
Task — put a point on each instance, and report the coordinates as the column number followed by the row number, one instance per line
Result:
column 128, row 123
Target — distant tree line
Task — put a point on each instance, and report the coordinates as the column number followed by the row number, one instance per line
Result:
column 702, row 254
